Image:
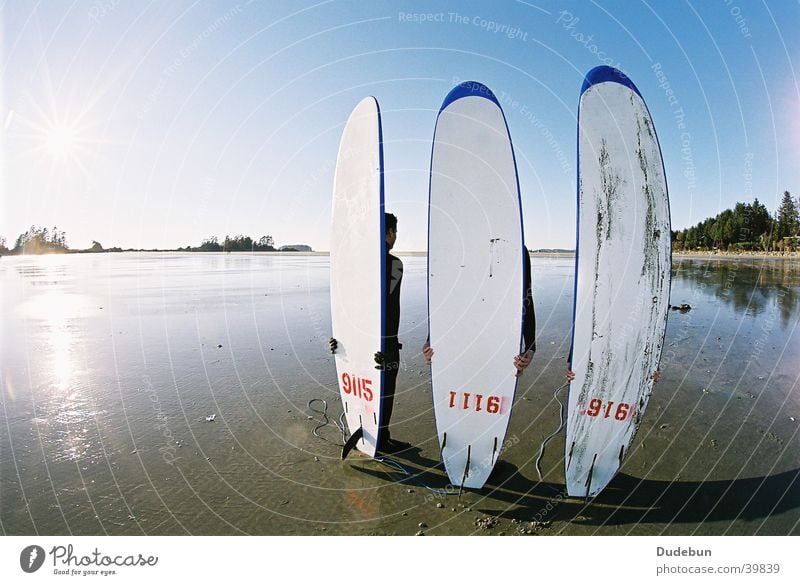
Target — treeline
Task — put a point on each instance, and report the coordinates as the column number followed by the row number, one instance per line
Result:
column 42, row 240
column 237, row 243
column 748, row 226
column 38, row 240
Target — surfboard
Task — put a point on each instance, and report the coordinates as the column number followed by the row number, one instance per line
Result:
column 475, row 281
column 357, row 262
column 622, row 278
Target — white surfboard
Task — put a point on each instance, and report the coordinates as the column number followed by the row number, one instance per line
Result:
column 475, row 280
column 622, row 278
column 357, row 271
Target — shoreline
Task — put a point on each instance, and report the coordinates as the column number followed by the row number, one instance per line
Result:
column 734, row 255
column 420, row 254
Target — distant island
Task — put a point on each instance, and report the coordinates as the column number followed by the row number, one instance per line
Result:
column 295, row 248
column 552, row 251
column 42, row 240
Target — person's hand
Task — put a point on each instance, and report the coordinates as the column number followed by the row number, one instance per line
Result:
column 427, row 351
column 333, row 344
column 570, row 375
column 656, row 376
column 522, row 361
column 380, row 360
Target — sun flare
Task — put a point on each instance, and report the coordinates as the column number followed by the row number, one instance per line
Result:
column 65, row 142
column 61, row 141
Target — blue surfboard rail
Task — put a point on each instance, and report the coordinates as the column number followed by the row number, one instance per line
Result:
column 382, row 244
column 469, row 89
column 603, row 74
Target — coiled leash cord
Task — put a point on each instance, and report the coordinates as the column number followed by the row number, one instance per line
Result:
column 326, row 420
column 554, row 433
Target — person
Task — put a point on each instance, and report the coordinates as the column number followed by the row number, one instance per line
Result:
column 388, row 360
column 523, row 360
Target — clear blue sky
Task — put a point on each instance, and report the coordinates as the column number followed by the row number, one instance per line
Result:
column 156, row 124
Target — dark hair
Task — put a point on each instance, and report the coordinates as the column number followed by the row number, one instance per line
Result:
column 390, row 219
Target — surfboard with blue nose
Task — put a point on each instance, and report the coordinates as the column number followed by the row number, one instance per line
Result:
column 622, row 278
column 357, row 259
column 475, row 281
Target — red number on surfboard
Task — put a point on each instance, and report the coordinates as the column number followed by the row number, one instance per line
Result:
column 476, row 402
column 358, row 387
column 606, row 410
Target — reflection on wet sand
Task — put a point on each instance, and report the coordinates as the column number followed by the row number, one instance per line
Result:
column 748, row 286
column 168, row 393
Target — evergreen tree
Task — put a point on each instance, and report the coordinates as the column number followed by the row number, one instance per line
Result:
column 745, row 227
column 760, row 221
column 41, row 241
column 788, row 223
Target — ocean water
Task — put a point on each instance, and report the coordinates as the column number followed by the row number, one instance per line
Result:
column 110, row 365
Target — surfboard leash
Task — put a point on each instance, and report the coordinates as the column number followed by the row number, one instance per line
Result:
column 554, row 433
column 326, row 420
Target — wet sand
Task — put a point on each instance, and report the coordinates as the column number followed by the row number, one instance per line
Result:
column 111, row 365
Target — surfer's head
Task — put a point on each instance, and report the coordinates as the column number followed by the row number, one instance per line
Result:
column 390, row 219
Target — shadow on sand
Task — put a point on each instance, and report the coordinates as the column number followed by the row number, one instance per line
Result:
column 627, row 500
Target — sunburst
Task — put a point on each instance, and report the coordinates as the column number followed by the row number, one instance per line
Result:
column 66, row 143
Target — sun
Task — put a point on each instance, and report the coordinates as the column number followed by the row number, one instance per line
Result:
column 62, row 141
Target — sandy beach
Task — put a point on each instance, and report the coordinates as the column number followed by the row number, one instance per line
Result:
column 112, row 364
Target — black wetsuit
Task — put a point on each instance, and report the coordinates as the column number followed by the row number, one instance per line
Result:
column 528, row 313
column 391, row 345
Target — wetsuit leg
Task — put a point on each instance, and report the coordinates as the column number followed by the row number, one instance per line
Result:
column 387, row 402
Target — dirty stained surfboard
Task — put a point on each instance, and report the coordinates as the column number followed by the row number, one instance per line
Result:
column 622, row 278
column 357, row 262
column 475, row 280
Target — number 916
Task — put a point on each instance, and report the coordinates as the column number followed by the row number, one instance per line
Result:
column 597, row 407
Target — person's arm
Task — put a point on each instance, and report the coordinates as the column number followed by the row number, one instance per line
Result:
column 427, row 350
column 569, row 375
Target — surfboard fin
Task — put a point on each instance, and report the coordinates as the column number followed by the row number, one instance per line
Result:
column 444, row 442
column 589, row 478
column 569, row 458
column 352, row 441
column 466, row 471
